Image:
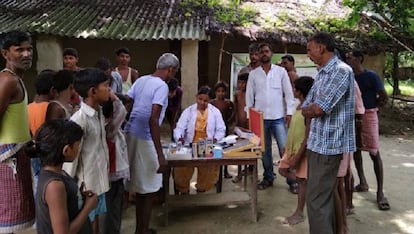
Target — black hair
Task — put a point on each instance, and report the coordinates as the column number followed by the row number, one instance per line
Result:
column 204, row 90
column 243, row 76
column 103, row 64
column 221, row 84
column 121, row 50
column 324, row 39
column 303, row 84
column 70, row 52
column 107, row 108
column 44, row 82
column 62, row 80
column 14, row 38
column 254, row 47
column 87, row 79
column 265, row 44
column 172, row 84
column 51, row 138
column 289, row 58
column 358, row 54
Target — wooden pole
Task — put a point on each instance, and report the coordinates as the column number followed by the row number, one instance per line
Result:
column 223, row 38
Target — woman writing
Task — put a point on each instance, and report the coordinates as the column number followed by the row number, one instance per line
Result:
column 199, row 121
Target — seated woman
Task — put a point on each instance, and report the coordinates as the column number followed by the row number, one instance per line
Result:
column 200, row 120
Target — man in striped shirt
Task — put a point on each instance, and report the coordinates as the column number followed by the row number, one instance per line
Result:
column 330, row 104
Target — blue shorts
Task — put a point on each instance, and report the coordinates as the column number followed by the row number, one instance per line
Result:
column 100, row 208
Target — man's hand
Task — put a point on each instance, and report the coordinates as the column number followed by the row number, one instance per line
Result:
column 288, row 118
column 312, row 111
column 163, row 164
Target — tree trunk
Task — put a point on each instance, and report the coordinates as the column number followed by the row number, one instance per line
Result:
column 396, row 88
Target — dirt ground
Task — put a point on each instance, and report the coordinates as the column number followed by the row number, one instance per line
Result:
column 275, row 203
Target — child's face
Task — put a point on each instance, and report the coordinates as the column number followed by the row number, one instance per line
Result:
column 172, row 94
column 102, row 92
column 297, row 93
column 72, row 90
column 220, row 93
column 241, row 85
column 71, row 151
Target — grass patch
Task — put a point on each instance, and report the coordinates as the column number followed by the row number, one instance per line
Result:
column 406, row 87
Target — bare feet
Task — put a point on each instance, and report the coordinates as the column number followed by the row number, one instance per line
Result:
column 349, row 211
column 294, row 219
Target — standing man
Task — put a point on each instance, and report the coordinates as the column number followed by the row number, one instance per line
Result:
column 116, row 81
column 288, row 62
column 254, row 56
column 146, row 158
column 128, row 74
column 16, row 194
column 330, row 104
column 373, row 96
column 269, row 91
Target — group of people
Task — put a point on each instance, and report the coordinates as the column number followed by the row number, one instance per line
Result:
column 333, row 116
column 76, row 140
column 90, row 132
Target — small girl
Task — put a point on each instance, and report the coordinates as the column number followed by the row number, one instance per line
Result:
column 294, row 163
column 226, row 107
column 57, row 209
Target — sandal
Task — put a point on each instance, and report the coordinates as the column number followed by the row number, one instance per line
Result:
column 383, row 204
column 264, row 184
column 361, row 188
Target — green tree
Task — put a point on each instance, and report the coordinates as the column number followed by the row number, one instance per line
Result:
column 395, row 18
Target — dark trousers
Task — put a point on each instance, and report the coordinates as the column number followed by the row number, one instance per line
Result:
column 322, row 172
column 110, row 222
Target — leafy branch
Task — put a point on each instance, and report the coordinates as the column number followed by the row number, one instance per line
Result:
column 225, row 13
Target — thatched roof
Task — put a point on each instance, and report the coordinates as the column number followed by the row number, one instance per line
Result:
column 286, row 21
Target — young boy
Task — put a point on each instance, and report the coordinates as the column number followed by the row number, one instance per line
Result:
column 175, row 95
column 62, row 87
column 128, row 74
column 293, row 165
column 37, row 109
column 91, row 167
column 345, row 183
column 240, row 101
column 240, row 113
column 37, row 113
column 115, row 113
column 226, row 108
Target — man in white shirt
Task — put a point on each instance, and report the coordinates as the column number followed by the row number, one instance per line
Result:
column 269, row 91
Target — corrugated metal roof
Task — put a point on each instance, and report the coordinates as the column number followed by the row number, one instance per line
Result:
column 109, row 19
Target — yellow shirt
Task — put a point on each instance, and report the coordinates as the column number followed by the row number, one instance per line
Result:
column 200, row 130
column 296, row 133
